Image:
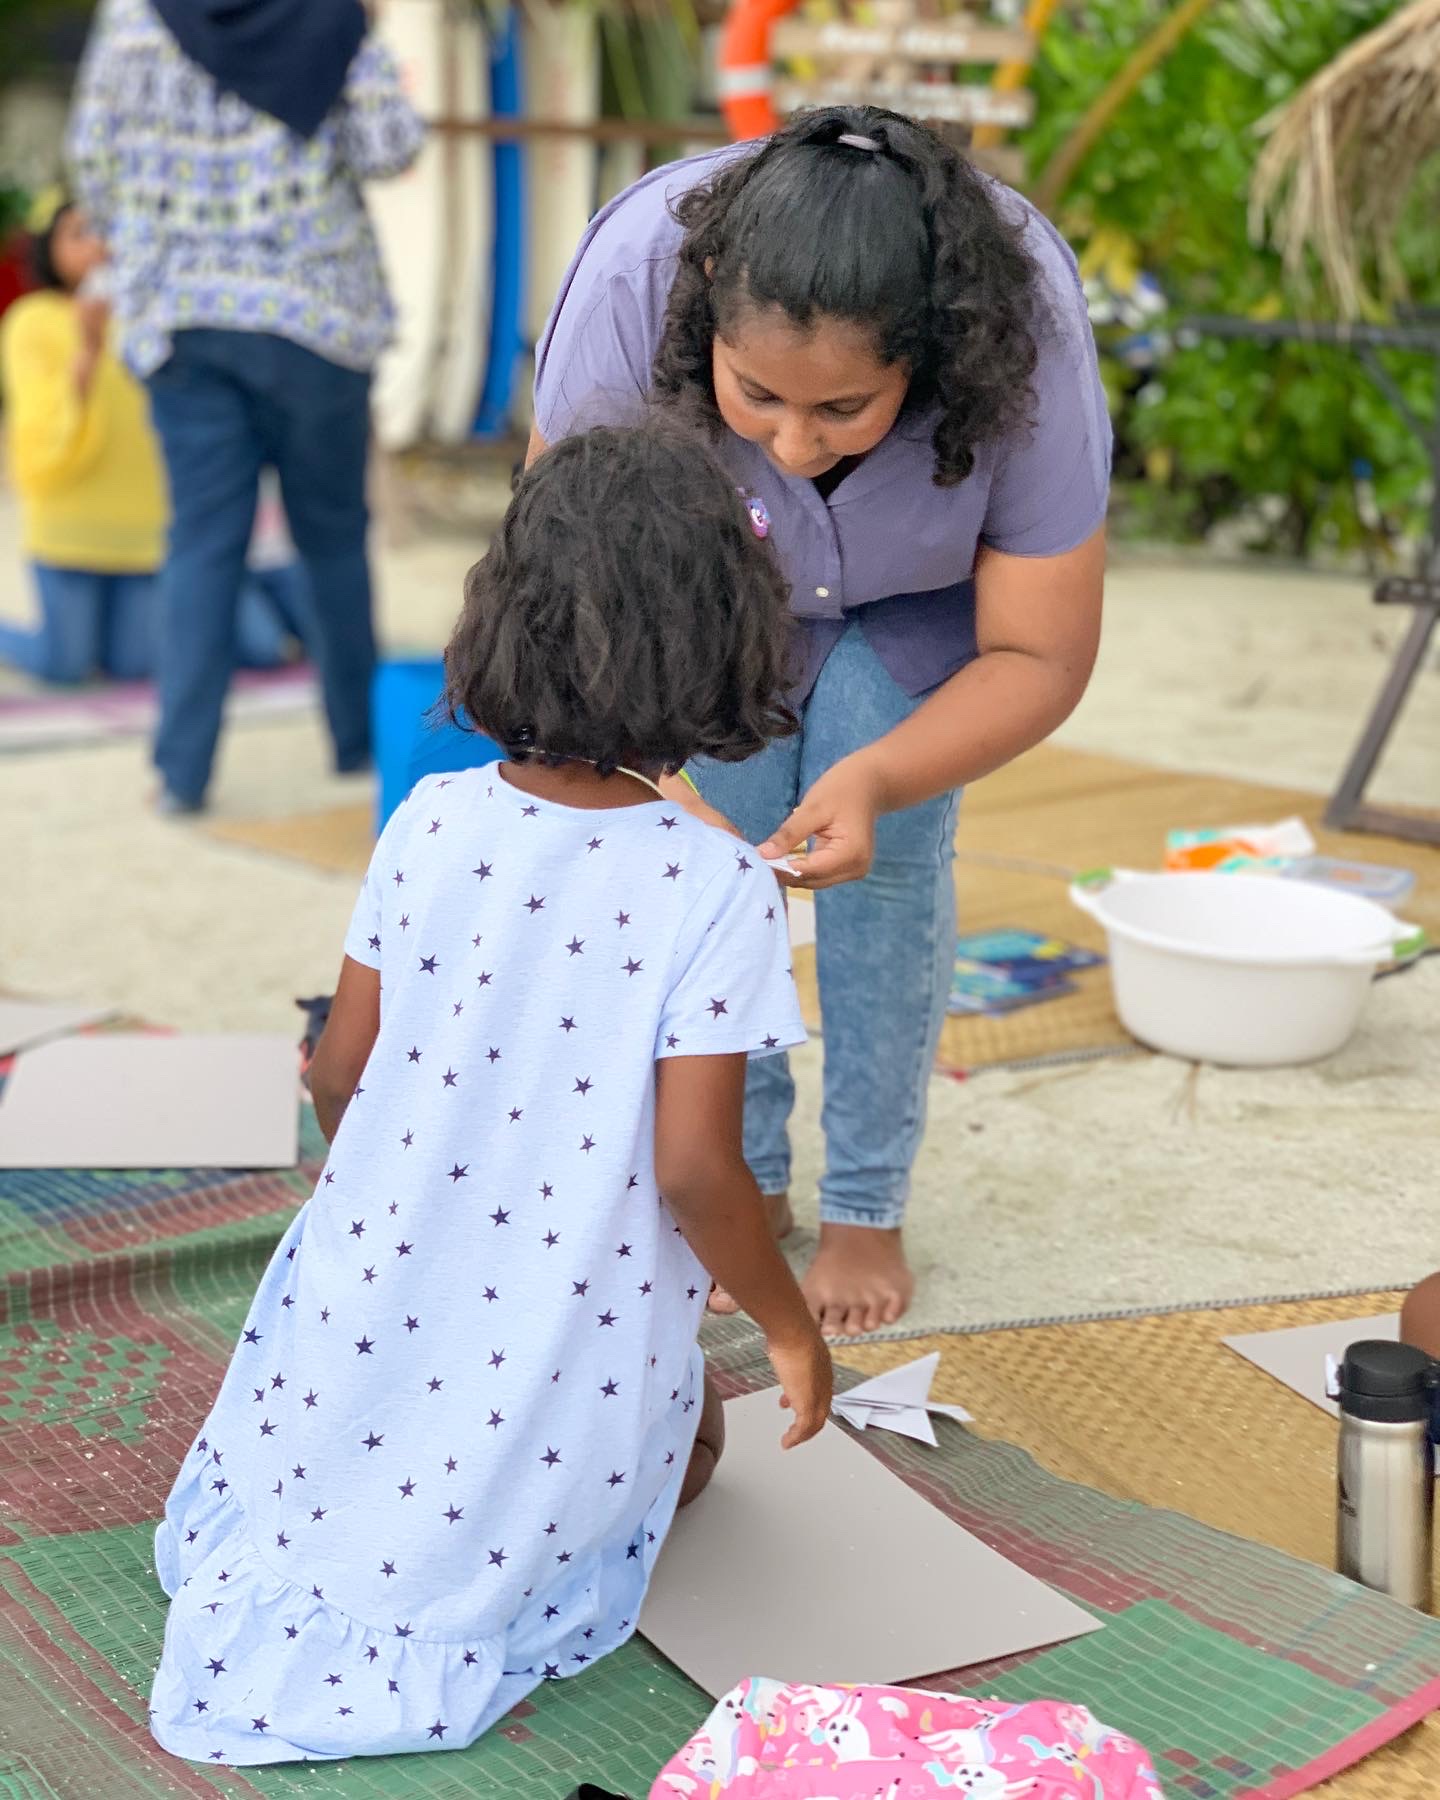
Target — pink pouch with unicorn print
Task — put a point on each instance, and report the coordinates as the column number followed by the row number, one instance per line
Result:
column 768, row 1740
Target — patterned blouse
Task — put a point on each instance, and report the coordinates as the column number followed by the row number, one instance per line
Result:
column 219, row 216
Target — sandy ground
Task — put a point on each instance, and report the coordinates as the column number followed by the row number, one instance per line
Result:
column 1160, row 1192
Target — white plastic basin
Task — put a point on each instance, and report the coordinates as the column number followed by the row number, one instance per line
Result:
column 1240, row 969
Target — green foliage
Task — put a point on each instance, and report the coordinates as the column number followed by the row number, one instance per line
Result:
column 1228, row 425
column 29, row 30
column 14, row 204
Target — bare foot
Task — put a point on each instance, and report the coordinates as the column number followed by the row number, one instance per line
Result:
column 782, row 1223
column 859, row 1280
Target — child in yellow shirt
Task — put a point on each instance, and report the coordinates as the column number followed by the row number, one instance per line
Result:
column 85, row 465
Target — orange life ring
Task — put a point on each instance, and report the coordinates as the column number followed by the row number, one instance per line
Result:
column 745, row 76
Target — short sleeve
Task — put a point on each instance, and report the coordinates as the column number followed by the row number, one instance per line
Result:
column 1051, row 487
column 593, row 364
column 732, row 990
column 595, row 356
column 362, row 940
column 92, row 156
column 379, row 134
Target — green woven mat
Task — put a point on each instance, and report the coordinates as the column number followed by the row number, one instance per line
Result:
column 1236, row 1666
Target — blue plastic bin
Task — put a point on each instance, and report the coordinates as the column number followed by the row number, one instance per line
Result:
column 407, row 744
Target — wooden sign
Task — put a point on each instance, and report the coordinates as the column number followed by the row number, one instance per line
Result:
column 919, row 99
column 907, row 63
column 938, row 41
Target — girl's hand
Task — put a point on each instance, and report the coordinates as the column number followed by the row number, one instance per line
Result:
column 807, row 1384
column 837, row 818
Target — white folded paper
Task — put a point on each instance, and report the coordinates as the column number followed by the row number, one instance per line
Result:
column 899, row 1401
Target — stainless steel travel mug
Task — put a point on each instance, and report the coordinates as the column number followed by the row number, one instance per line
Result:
column 1386, row 1491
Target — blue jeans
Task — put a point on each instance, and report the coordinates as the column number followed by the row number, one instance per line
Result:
column 226, row 405
column 106, row 624
column 885, row 947
column 90, row 625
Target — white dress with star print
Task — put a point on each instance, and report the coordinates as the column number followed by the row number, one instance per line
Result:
column 450, row 1441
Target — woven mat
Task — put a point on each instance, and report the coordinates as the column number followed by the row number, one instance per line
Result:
column 338, row 840
column 34, row 718
column 1245, row 1672
column 1159, row 1412
column 1023, row 834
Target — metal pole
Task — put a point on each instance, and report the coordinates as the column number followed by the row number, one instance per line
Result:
column 1346, row 810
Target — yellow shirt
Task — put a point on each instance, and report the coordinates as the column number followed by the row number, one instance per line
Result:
column 89, row 475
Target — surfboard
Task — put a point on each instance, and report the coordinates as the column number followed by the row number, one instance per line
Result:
column 498, row 401
column 408, row 215
column 620, row 166
column 562, row 81
column 469, row 229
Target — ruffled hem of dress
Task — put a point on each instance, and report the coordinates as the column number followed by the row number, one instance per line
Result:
column 299, row 1679
column 273, row 1673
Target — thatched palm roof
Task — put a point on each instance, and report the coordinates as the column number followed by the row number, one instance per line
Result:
column 1343, row 156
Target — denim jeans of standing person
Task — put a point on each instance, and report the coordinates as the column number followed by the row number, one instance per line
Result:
column 884, row 952
column 90, row 625
column 226, row 404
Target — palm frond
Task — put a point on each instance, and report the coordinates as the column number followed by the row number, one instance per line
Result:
column 1343, row 157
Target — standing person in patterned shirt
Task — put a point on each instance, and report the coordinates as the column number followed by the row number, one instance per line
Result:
column 465, row 1401
column 220, row 145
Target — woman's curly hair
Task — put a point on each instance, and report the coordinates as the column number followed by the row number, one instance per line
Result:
column 626, row 612
column 907, row 239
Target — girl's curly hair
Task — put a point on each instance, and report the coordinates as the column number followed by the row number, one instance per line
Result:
column 907, row 239
column 626, row 613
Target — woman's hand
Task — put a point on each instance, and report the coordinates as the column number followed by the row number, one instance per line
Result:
column 837, row 819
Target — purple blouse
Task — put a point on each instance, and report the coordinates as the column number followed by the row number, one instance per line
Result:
column 888, row 547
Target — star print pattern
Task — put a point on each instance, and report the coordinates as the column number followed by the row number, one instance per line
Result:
column 518, row 1190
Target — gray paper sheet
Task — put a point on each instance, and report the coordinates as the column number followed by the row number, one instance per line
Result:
column 1297, row 1354
column 820, row 1565
column 26, row 1022
column 130, row 1102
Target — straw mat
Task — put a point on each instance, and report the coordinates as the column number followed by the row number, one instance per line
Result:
column 338, row 840
column 1158, row 1411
